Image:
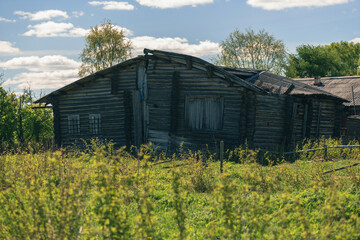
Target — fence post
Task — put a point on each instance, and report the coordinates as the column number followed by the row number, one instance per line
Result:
column 221, row 155
column 325, row 152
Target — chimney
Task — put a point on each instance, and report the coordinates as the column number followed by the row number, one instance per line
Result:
column 317, row 81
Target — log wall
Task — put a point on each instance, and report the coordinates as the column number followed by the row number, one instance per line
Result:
column 99, row 97
column 271, row 121
column 167, row 95
column 146, row 101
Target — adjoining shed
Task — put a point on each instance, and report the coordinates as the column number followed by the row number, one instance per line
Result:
column 347, row 87
column 169, row 98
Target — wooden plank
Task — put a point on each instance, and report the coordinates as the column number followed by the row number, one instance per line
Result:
column 292, row 123
column 137, row 118
column 305, row 120
column 128, row 120
column 318, row 122
column 174, row 102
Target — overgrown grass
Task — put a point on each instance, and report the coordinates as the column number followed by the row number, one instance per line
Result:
column 101, row 193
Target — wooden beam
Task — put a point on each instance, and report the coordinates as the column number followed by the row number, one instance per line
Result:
column 290, row 89
column 174, row 102
column 318, row 122
column 114, row 86
column 341, row 168
column 188, row 63
column 305, row 120
column 128, row 118
column 210, row 71
column 99, row 75
column 292, row 123
column 79, row 84
column 62, row 92
column 227, row 79
column 37, row 107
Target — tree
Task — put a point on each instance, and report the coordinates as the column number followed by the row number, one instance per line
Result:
column 20, row 123
column 336, row 59
column 312, row 61
column 252, row 50
column 8, row 108
column 105, row 46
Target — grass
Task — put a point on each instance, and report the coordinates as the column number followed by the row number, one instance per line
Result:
column 101, row 193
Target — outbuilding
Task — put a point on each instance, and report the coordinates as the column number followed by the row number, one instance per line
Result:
column 168, row 99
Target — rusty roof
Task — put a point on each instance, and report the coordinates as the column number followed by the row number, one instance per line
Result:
column 338, row 86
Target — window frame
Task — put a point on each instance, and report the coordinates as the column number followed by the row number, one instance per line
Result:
column 74, row 124
column 204, row 121
column 95, row 127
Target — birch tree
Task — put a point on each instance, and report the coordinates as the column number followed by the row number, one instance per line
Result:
column 105, row 46
column 250, row 49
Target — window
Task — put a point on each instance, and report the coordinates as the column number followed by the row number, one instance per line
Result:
column 204, row 112
column 74, row 124
column 95, row 123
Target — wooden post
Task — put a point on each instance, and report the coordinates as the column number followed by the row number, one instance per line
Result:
column 325, row 152
column 221, row 155
column 353, row 97
column 305, row 120
column 318, row 122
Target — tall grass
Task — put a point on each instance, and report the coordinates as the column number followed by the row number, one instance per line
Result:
column 102, row 193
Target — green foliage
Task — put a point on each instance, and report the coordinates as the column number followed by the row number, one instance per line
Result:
column 252, row 50
column 106, row 194
column 179, row 202
column 336, row 59
column 8, row 107
column 105, row 46
column 20, row 124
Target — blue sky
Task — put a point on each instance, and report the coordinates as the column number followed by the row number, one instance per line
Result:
column 40, row 40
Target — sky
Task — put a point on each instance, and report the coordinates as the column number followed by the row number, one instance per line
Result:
column 41, row 40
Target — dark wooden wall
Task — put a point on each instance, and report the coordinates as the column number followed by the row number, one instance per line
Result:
column 99, row 97
column 315, row 118
column 270, row 121
column 145, row 101
column 169, row 83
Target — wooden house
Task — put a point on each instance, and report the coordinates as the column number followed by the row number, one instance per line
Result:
column 168, row 99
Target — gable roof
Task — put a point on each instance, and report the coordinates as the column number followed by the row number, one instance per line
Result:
column 252, row 79
column 176, row 57
column 277, row 84
column 88, row 78
column 338, row 86
column 203, row 65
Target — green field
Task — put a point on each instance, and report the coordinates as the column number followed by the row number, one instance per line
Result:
column 101, row 193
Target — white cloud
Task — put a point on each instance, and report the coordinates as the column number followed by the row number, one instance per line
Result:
column 77, row 14
column 179, row 45
column 6, row 20
column 113, row 5
column 283, row 4
column 53, row 29
column 48, row 72
column 42, row 15
column 7, row 48
column 172, row 3
column 35, row 63
column 42, row 80
column 355, row 40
